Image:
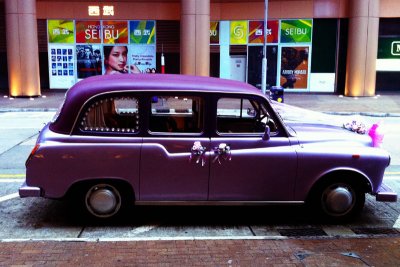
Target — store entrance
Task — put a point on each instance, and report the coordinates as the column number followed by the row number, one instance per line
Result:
column 255, row 56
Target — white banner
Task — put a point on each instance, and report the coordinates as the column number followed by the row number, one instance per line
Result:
column 61, row 66
column 143, row 58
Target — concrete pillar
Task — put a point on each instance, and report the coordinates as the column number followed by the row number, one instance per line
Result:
column 22, row 48
column 362, row 47
column 195, row 37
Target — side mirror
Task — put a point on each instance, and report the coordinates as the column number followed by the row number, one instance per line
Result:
column 267, row 133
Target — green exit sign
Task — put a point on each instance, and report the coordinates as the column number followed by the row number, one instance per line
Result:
column 396, row 48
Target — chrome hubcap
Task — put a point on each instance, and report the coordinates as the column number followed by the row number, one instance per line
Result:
column 103, row 201
column 338, row 200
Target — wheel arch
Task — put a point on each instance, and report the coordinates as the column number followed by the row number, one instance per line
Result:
column 119, row 182
column 346, row 175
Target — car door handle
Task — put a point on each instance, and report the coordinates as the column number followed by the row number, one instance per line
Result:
column 222, row 152
column 197, row 152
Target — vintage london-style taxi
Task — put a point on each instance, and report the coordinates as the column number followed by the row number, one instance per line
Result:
column 120, row 140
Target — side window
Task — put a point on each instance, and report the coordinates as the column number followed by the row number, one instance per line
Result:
column 242, row 115
column 113, row 114
column 176, row 114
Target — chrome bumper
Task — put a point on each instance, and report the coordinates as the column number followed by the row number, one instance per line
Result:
column 386, row 194
column 29, row 191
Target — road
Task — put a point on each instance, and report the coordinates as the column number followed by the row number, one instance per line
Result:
column 44, row 219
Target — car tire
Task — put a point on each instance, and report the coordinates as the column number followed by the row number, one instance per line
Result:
column 338, row 200
column 104, row 201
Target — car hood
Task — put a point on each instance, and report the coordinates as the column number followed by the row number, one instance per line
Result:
column 308, row 133
column 313, row 126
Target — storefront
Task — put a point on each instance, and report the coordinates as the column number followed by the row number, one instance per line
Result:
column 311, row 47
column 388, row 59
column 289, row 45
column 78, row 49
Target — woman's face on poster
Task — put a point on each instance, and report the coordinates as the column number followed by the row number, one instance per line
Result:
column 117, row 58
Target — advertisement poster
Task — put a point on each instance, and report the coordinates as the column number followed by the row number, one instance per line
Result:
column 115, row 59
column 256, row 32
column 238, row 32
column 115, row 32
column 142, row 58
column 142, row 31
column 61, row 64
column 214, row 32
column 89, row 61
column 294, row 67
column 60, row 31
column 88, row 32
column 296, row 31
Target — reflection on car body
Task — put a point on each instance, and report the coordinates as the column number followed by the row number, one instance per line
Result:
column 175, row 139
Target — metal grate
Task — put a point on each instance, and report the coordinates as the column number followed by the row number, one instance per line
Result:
column 375, row 231
column 302, row 232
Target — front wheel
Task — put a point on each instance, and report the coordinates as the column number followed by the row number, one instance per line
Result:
column 338, row 200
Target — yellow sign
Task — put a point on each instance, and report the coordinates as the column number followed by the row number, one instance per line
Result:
column 238, row 32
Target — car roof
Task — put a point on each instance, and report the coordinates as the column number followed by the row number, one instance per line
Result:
column 88, row 88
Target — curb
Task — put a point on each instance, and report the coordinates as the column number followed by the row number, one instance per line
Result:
column 368, row 114
column 3, row 110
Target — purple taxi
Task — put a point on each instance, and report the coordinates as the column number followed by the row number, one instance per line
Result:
column 120, row 140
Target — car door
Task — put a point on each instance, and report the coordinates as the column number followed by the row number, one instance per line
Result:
column 174, row 163
column 244, row 166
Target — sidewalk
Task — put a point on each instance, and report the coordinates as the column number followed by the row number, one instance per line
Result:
column 377, row 251
column 386, row 104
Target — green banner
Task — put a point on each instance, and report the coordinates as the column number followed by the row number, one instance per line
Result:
column 142, row 31
column 296, row 31
column 60, row 31
column 389, row 47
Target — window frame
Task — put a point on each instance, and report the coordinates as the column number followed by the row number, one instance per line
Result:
column 263, row 106
column 77, row 129
column 203, row 106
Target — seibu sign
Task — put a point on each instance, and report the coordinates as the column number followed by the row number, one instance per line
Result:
column 296, row 31
column 94, row 11
column 111, row 32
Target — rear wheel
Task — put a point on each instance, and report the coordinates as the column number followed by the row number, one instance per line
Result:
column 104, row 200
column 339, row 200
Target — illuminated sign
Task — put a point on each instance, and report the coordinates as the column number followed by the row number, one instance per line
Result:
column 296, row 31
column 238, row 32
column 60, row 31
column 95, row 10
column 396, row 48
column 108, row 10
column 214, row 32
column 256, row 31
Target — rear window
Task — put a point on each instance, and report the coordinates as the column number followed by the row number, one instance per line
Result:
column 113, row 114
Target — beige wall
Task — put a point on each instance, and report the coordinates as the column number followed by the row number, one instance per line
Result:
column 171, row 10
column 389, row 8
column 123, row 10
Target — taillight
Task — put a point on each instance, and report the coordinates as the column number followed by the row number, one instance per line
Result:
column 35, row 148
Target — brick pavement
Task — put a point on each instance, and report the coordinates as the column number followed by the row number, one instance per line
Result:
column 375, row 251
